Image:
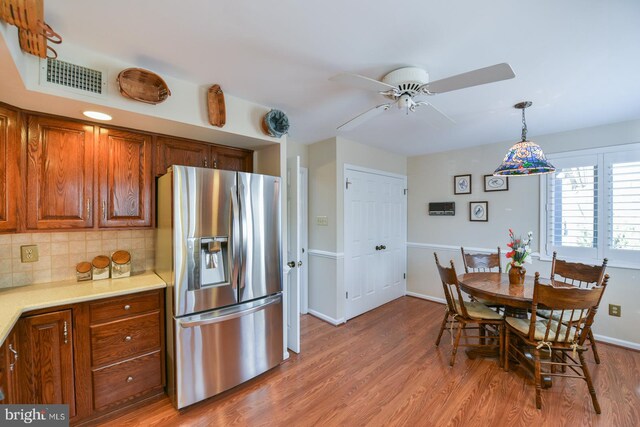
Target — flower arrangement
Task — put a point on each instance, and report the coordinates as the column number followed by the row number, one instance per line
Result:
column 520, row 250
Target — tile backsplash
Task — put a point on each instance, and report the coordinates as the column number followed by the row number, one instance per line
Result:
column 59, row 252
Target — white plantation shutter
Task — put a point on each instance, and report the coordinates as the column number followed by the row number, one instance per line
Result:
column 572, row 207
column 623, row 188
column 591, row 206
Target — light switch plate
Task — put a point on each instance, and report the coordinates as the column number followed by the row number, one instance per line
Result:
column 322, row 220
column 29, row 253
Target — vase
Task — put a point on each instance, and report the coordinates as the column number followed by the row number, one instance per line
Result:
column 516, row 275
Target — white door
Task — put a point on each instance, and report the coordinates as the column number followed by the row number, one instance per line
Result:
column 303, row 225
column 375, row 236
column 293, row 253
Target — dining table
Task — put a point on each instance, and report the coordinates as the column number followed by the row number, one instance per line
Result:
column 495, row 288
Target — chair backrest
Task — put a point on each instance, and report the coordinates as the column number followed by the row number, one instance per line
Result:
column 480, row 263
column 572, row 310
column 451, row 288
column 577, row 274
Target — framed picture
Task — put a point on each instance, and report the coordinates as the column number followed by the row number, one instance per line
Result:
column 462, row 184
column 496, row 183
column 479, row 211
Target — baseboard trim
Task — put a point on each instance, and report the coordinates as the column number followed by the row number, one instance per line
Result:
column 427, row 297
column 331, row 320
column 617, row 342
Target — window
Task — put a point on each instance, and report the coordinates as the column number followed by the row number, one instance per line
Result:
column 591, row 206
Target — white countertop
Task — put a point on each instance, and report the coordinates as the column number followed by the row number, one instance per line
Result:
column 15, row 301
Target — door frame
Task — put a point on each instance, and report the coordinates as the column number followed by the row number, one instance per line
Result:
column 350, row 167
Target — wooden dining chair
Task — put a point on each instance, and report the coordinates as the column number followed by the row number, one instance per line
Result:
column 462, row 313
column 482, row 263
column 562, row 340
column 581, row 276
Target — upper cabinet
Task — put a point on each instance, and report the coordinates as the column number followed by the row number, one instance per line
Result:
column 172, row 151
column 9, row 169
column 60, row 182
column 233, row 159
column 125, row 178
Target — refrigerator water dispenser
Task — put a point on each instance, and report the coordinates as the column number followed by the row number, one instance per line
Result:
column 208, row 262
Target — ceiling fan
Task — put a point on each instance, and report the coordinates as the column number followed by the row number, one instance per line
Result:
column 405, row 86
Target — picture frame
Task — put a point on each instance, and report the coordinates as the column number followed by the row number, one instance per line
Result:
column 479, row 211
column 496, row 183
column 462, row 184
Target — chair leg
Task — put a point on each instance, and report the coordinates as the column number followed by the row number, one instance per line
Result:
column 455, row 345
column 444, row 325
column 593, row 347
column 506, row 348
column 537, row 374
column 587, row 378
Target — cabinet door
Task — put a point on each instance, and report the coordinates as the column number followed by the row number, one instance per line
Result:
column 180, row 152
column 9, row 170
column 125, row 178
column 46, row 375
column 9, row 366
column 59, row 174
column 233, row 159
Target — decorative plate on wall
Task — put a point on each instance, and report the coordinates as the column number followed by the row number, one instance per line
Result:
column 275, row 123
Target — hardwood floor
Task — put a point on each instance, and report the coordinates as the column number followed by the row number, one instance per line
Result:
column 383, row 369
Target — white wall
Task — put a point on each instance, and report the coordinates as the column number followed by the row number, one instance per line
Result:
column 326, row 198
column 430, row 179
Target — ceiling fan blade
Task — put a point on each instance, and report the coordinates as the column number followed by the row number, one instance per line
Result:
column 362, row 82
column 369, row 114
column 436, row 118
column 494, row 73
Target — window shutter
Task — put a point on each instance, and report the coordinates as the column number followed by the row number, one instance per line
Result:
column 624, row 205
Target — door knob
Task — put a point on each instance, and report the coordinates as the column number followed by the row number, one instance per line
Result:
column 299, row 263
column 291, row 264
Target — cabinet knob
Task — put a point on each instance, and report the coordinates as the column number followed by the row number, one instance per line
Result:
column 127, row 338
column 129, row 379
column 383, row 247
column 127, row 307
column 378, row 247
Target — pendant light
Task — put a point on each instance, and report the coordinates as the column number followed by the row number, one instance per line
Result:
column 525, row 157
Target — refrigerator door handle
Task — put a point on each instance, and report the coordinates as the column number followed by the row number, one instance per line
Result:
column 208, row 319
column 244, row 207
column 235, row 237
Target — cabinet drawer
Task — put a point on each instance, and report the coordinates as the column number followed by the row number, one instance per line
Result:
column 125, row 306
column 126, row 380
column 125, row 338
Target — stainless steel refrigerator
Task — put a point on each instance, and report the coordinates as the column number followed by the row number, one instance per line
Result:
column 218, row 250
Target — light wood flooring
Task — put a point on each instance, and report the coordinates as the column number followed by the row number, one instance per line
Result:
column 383, row 369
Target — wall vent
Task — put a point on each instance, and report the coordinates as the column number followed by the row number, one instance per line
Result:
column 76, row 77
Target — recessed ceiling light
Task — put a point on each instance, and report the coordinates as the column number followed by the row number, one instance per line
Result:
column 97, row 115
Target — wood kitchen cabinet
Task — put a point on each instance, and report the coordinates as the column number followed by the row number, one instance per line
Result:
column 59, row 174
column 10, row 362
column 125, row 179
column 9, row 169
column 46, row 357
column 234, row 159
column 173, row 151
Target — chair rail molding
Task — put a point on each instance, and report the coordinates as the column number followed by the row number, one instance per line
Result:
column 457, row 248
column 325, row 254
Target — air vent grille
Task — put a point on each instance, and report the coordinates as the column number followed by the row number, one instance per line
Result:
column 74, row 76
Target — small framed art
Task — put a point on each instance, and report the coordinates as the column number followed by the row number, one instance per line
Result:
column 479, row 211
column 462, row 184
column 496, row 183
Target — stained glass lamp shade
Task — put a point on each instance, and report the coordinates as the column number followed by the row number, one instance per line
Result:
column 525, row 157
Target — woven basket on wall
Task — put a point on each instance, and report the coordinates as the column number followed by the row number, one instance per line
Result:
column 143, row 85
column 24, row 14
column 35, row 43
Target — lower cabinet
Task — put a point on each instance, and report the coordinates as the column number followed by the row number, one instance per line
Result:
column 98, row 357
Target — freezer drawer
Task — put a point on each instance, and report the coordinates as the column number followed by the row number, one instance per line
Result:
column 217, row 350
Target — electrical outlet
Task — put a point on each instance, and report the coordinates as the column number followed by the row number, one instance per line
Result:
column 615, row 310
column 29, row 253
column 322, row 220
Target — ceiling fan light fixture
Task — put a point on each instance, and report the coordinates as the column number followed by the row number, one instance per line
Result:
column 525, row 157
